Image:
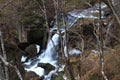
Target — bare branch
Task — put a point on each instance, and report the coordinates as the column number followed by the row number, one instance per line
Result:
column 112, row 9
column 100, row 44
column 4, row 56
column 4, row 60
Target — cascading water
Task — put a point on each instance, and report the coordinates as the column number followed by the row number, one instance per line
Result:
column 50, row 54
column 50, row 51
column 89, row 13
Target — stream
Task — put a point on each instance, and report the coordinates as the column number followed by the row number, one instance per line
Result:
column 50, row 55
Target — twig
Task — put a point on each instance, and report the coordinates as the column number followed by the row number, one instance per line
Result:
column 4, row 55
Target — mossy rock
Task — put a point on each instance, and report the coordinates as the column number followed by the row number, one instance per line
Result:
column 59, row 76
column 31, row 50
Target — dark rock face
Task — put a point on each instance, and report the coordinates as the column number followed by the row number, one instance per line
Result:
column 38, row 36
column 34, row 37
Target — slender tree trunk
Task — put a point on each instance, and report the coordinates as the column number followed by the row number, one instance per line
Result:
column 4, row 56
column 2, row 77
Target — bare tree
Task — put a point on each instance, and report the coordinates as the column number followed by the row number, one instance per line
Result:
column 3, row 58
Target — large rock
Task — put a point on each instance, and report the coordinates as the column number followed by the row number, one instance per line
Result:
column 48, row 67
column 29, row 50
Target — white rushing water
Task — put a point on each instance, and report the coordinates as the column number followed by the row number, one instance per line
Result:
column 50, row 51
column 89, row 13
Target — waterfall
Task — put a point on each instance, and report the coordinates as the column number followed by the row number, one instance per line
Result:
column 50, row 55
column 50, row 51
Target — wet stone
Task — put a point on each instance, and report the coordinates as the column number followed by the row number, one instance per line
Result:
column 48, row 67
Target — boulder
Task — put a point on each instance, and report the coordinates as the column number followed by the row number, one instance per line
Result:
column 47, row 66
column 29, row 50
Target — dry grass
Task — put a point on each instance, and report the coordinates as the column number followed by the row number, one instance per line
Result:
column 90, row 70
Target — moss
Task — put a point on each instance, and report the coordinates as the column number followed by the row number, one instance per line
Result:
column 94, row 77
column 14, row 32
